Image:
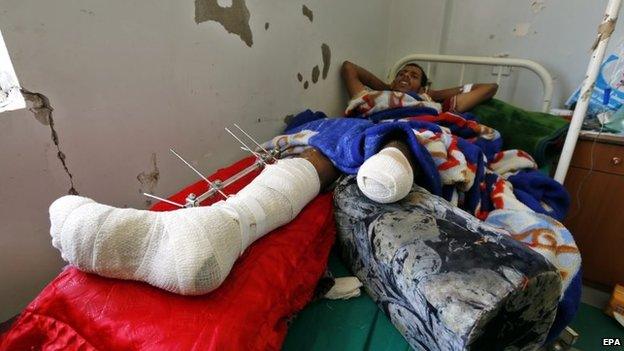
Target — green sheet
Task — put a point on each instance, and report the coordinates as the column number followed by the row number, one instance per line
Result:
column 534, row 132
column 349, row 325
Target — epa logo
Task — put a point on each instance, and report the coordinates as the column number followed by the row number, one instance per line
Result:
column 611, row 342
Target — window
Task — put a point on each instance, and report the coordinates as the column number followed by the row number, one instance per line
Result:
column 10, row 96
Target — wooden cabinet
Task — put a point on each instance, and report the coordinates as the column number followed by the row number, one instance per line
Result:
column 596, row 217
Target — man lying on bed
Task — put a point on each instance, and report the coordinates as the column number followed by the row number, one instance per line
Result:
column 191, row 251
column 388, row 176
column 412, row 80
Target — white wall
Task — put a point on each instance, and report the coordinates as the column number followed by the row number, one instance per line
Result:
column 416, row 26
column 128, row 79
column 559, row 37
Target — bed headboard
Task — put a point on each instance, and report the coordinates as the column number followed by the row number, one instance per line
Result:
column 496, row 62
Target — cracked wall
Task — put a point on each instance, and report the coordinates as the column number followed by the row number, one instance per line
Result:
column 39, row 105
column 130, row 79
column 149, row 179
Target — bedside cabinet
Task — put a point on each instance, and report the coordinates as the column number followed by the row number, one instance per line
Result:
column 596, row 217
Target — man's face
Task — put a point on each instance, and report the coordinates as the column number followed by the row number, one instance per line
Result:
column 408, row 79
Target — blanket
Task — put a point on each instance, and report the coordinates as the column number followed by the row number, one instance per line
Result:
column 457, row 158
column 553, row 241
column 546, row 131
column 371, row 102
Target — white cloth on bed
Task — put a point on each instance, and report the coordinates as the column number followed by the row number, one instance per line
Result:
column 188, row 251
column 371, row 101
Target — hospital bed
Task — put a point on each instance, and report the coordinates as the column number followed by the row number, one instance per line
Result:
column 82, row 311
column 356, row 324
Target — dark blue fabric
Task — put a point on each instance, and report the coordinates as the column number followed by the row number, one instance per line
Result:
column 533, row 187
column 470, row 116
column 474, row 156
column 568, row 306
column 302, row 118
column 400, row 112
column 489, row 147
column 486, row 200
column 348, row 142
column 415, row 95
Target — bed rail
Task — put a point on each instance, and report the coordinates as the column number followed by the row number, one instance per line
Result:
column 500, row 62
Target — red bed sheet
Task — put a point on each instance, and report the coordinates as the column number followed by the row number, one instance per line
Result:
column 271, row 281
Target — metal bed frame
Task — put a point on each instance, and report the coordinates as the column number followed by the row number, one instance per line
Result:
column 497, row 62
column 605, row 29
column 568, row 337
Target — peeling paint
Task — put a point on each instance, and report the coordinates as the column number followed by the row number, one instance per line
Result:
column 308, row 13
column 266, row 26
column 288, row 118
column 522, row 29
column 149, row 180
column 299, row 77
column 306, row 84
column 87, row 12
column 315, row 74
column 40, row 107
column 235, row 18
column 588, row 93
column 326, row 52
column 537, row 6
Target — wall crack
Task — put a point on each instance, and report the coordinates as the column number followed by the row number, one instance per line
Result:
column 40, row 107
column 149, row 180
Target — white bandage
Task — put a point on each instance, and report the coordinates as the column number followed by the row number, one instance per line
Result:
column 386, row 177
column 467, row 88
column 187, row 251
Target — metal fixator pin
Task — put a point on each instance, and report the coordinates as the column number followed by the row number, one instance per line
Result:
column 191, row 200
column 258, row 156
column 164, row 200
column 268, row 154
column 212, row 185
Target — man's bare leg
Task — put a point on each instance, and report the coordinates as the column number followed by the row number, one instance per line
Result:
column 324, row 167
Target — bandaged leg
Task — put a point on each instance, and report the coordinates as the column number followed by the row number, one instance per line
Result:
column 386, row 176
column 187, row 251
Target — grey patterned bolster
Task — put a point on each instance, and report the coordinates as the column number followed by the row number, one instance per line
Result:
column 445, row 279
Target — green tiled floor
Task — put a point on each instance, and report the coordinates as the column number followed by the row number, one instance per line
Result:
column 593, row 325
column 359, row 325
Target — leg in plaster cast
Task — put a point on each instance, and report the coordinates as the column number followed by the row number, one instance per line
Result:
column 388, row 175
column 188, row 251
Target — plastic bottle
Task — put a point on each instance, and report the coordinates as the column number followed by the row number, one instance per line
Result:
column 616, row 120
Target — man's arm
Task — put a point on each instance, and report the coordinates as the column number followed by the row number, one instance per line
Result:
column 466, row 101
column 357, row 79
